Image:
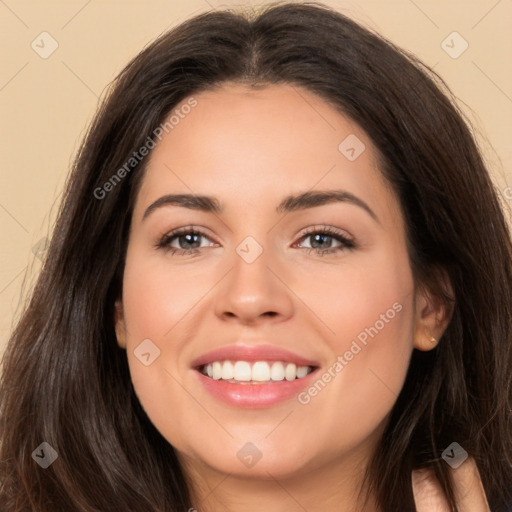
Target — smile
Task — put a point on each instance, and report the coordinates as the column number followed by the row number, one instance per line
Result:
column 256, row 372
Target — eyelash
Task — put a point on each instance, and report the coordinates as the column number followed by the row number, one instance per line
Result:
column 347, row 243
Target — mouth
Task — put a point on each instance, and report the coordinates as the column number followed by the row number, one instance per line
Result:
column 256, row 372
column 253, row 376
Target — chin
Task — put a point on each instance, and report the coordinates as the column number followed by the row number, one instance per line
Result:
column 246, row 460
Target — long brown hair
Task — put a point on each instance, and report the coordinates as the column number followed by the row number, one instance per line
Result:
column 67, row 383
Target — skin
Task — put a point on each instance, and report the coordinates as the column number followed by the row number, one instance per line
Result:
column 251, row 147
column 469, row 491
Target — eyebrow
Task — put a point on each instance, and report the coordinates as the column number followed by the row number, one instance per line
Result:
column 290, row 203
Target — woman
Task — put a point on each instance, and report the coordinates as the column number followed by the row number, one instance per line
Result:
column 258, row 369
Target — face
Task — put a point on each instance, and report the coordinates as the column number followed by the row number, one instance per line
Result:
column 271, row 277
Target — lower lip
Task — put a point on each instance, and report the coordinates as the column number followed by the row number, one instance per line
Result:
column 255, row 396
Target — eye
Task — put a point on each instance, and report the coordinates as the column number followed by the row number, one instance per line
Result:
column 188, row 240
column 322, row 237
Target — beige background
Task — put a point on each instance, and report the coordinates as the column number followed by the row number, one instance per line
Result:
column 46, row 104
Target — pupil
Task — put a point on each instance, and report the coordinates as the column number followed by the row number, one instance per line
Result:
column 187, row 238
column 316, row 237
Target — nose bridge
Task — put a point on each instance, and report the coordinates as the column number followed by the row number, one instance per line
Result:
column 252, row 289
column 251, row 276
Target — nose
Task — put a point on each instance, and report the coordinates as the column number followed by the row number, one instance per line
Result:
column 255, row 292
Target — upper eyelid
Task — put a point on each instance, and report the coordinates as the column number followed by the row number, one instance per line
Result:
column 188, row 229
column 325, row 228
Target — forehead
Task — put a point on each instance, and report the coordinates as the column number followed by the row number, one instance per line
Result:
column 255, row 144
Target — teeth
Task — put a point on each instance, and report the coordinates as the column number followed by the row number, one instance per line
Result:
column 259, row 371
column 217, row 370
column 242, row 371
column 228, row 370
column 277, row 371
column 302, row 371
column 290, row 371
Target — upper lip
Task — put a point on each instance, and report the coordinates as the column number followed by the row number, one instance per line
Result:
column 261, row 352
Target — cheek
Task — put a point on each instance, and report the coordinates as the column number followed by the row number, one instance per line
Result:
column 155, row 298
column 369, row 310
column 155, row 303
column 367, row 296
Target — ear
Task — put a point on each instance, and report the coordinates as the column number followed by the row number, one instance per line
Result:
column 432, row 313
column 119, row 323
